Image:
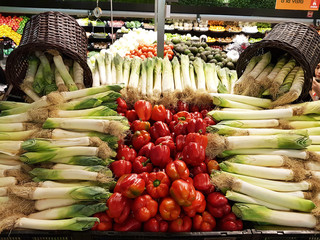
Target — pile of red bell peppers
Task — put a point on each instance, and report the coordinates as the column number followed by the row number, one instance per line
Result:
column 163, row 181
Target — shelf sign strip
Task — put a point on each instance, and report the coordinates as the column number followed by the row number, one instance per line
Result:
column 308, row 5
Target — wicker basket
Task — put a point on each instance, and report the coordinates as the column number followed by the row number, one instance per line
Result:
column 299, row 40
column 49, row 30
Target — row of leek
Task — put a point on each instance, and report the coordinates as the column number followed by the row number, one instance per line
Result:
column 269, row 168
column 281, row 81
column 48, row 72
column 154, row 76
column 62, row 175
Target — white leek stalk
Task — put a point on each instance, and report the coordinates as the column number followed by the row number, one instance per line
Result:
column 256, row 213
column 223, row 102
column 257, row 171
column 254, row 101
column 3, row 191
column 251, row 115
column 264, row 194
column 285, row 152
column 259, row 160
column 238, row 197
column 43, row 204
column 268, row 123
column 279, row 186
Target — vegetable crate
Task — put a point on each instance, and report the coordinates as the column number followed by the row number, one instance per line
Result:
column 299, row 40
column 49, row 30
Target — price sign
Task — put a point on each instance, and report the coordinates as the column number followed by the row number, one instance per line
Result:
column 308, row 5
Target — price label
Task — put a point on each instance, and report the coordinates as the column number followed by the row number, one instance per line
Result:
column 307, row 5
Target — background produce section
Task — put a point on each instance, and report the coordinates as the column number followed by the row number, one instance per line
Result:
column 160, row 146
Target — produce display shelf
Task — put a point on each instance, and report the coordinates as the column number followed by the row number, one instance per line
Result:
column 249, row 234
column 100, row 235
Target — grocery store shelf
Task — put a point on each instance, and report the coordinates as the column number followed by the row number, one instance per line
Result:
column 238, row 15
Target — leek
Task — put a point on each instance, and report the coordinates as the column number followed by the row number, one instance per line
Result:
column 226, row 181
column 192, row 77
column 135, row 72
column 268, row 123
column 38, row 83
column 118, row 62
column 222, row 102
column 6, row 105
column 256, row 213
column 41, row 174
column 257, row 171
column 238, row 197
column 84, row 193
column 223, row 77
column 176, row 74
column 17, row 136
column 103, row 126
column 97, row 111
column 150, row 68
column 78, row 75
column 259, row 160
column 126, row 71
column 47, row 72
column 199, row 68
column 82, row 161
column 185, row 70
column 279, row 186
column 167, row 76
column 254, row 101
column 73, row 224
column 56, row 153
column 212, row 80
column 157, row 76
column 102, row 67
column 76, row 210
column 251, row 115
column 7, row 181
column 43, row 204
column 285, row 152
column 36, row 145
column 108, row 60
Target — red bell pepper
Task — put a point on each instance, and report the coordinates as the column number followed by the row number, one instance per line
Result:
column 194, row 108
column 209, row 121
column 126, row 153
column 144, row 208
column 158, row 185
column 193, row 154
column 202, row 168
column 142, row 164
column 122, row 105
column 158, row 113
column 177, row 169
column 182, row 224
column 204, row 113
column 167, row 140
column 156, row 224
column 169, row 209
column 204, row 222
column 189, row 180
column 169, row 117
column 160, row 156
column 202, row 183
column 197, row 115
column 197, row 206
column 131, row 115
column 119, row 207
column 130, row 225
column 159, row 129
column 139, row 125
column 179, row 156
column 178, row 127
column 130, row 185
column 230, row 223
column 121, row 167
column 144, row 176
column 182, row 106
column 198, row 138
column 217, row 205
column 105, row 223
column 182, row 116
column 140, row 138
column 143, row 109
column 197, row 125
column 180, row 142
column 146, row 150
column 182, row 192
column 212, row 165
